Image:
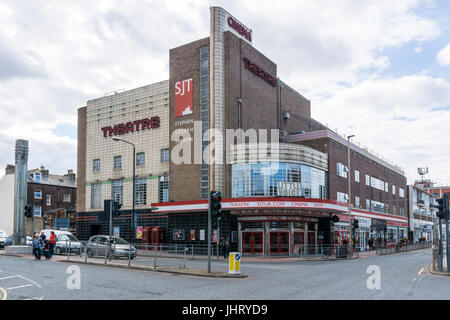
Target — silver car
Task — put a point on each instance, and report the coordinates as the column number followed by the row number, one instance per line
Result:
column 99, row 246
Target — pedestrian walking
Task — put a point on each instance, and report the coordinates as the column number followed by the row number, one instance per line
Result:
column 370, row 243
column 37, row 247
column 52, row 241
column 224, row 248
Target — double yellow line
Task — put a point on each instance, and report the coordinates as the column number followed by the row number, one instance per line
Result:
column 5, row 295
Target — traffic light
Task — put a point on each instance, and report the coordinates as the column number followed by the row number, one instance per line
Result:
column 116, row 208
column 442, row 207
column 215, row 203
column 28, row 211
column 355, row 224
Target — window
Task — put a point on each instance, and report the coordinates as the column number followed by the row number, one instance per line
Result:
column 37, row 211
column 356, row 175
column 66, row 197
column 117, row 162
column 341, row 170
column 377, row 183
column 140, row 158
column 367, row 204
column 49, row 200
column 164, row 155
column 96, row 195
column 37, row 177
column 357, row 205
column 38, row 194
column 140, row 191
column 402, row 211
column 401, row 192
column 117, row 191
column 367, row 180
column 393, row 190
column 386, row 187
column 377, row 206
column 342, row 197
column 96, row 165
column 394, row 209
column 164, row 189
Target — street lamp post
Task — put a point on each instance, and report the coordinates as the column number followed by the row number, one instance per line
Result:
column 349, row 195
column 133, row 214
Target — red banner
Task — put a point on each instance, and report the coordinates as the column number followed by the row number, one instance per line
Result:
column 184, row 98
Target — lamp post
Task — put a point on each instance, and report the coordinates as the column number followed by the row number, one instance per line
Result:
column 133, row 214
column 349, row 194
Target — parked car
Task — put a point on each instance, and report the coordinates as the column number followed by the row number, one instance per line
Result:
column 3, row 237
column 64, row 241
column 98, row 246
column 9, row 241
column 29, row 241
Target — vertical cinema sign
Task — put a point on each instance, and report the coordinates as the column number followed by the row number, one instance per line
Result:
column 184, row 98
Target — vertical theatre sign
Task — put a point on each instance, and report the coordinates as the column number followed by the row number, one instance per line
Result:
column 184, row 98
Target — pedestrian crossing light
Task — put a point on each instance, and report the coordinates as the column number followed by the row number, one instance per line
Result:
column 442, row 207
column 28, row 211
column 116, row 207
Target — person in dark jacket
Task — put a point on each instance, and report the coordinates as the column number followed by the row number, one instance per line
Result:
column 46, row 250
column 37, row 247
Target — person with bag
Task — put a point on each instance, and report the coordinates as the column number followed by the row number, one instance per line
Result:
column 46, row 250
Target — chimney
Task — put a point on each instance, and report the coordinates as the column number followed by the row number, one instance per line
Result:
column 10, row 169
column 70, row 174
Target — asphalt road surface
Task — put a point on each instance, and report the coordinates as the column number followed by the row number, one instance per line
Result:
column 397, row 276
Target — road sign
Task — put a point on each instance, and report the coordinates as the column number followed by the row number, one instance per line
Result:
column 234, row 266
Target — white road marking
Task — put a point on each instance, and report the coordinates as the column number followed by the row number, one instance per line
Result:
column 33, row 282
column 4, row 278
column 18, row 287
column 420, row 272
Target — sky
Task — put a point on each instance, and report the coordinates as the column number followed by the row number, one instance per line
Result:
column 377, row 69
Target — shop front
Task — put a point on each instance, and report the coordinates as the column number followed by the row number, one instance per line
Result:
column 363, row 233
column 378, row 232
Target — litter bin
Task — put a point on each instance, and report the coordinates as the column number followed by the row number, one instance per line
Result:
column 341, row 252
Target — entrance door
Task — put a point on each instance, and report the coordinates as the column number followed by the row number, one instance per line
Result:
column 252, row 242
column 311, row 242
column 279, row 242
column 299, row 240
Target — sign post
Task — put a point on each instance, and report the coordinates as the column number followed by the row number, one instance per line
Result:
column 234, row 265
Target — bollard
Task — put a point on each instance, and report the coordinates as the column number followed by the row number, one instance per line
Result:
column 154, row 260
column 85, row 253
column 129, row 255
column 106, row 253
column 192, row 252
column 68, row 250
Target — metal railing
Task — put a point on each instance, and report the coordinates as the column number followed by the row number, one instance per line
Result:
column 399, row 247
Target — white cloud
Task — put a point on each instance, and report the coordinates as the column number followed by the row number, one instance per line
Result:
column 443, row 56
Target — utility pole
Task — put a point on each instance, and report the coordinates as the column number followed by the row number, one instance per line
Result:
column 349, row 196
column 20, row 191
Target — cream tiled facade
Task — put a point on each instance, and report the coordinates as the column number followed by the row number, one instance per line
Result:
column 128, row 106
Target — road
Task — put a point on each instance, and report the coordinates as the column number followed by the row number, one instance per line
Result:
column 402, row 276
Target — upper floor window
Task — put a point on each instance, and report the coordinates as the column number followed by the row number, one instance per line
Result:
column 140, row 158
column 96, row 195
column 393, row 190
column 117, row 162
column 377, row 183
column 367, row 180
column 341, row 170
column 401, row 192
column 342, row 197
column 66, row 197
column 164, row 155
column 357, row 205
column 37, row 177
column 37, row 210
column 356, row 175
column 386, row 187
column 140, row 191
column 96, row 165
column 367, row 204
column 38, row 194
column 49, row 200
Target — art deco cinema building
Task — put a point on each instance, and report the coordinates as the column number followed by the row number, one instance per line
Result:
column 277, row 204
